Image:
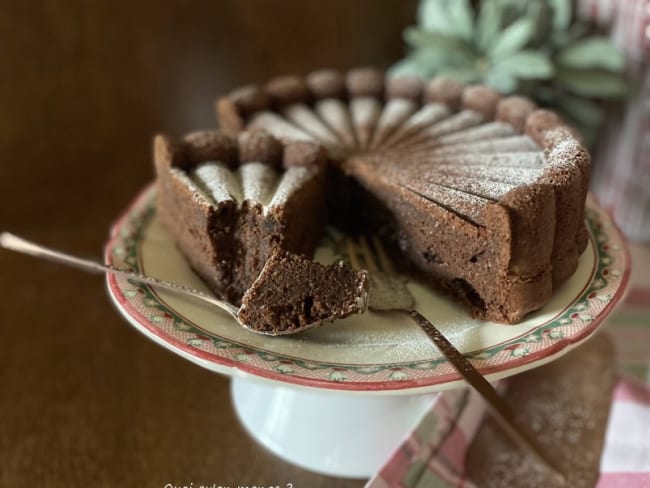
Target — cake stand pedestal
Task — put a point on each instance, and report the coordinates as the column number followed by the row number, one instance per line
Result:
column 327, row 431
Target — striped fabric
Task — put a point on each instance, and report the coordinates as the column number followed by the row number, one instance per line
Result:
column 621, row 178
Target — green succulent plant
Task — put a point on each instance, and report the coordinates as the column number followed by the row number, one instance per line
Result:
column 534, row 47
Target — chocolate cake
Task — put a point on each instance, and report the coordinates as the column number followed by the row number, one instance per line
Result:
column 231, row 202
column 483, row 194
column 292, row 292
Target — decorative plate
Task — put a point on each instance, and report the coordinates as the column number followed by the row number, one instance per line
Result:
column 365, row 353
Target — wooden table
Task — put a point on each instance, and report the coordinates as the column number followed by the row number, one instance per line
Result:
column 85, row 399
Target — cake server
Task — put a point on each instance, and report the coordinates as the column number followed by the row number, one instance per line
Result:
column 18, row 244
column 388, row 292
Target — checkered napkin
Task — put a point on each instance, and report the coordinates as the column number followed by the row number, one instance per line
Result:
column 432, row 456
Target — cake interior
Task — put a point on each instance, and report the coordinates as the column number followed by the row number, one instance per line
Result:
column 230, row 205
column 292, row 292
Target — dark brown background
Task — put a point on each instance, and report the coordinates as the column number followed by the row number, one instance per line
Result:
column 85, row 400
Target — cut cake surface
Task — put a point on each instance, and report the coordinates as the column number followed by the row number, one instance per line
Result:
column 230, row 202
column 292, row 292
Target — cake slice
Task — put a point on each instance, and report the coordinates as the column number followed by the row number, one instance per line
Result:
column 231, row 202
column 292, row 292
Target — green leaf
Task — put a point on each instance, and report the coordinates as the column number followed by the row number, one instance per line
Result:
column 431, row 16
column 512, row 10
column 545, row 94
column 410, row 66
column 462, row 18
column 593, row 52
column 439, row 46
column 501, row 81
column 592, row 83
column 421, row 38
column 576, row 31
column 525, row 65
column 464, row 75
column 513, row 38
column 582, row 110
column 561, row 14
column 450, row 17
column 434, row 59
column 541, row 15
column 488, row 24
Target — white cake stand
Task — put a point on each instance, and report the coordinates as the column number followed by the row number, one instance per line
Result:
column 339, row 399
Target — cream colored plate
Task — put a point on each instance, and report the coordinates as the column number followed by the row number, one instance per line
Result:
column 369, row 352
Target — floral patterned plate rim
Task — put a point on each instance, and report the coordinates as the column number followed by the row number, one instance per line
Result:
column 367, row 353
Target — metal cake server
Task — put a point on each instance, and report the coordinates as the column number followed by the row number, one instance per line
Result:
column 388, row 292
column 18, row 244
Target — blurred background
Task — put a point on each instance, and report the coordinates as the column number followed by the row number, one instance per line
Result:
column 86, row 85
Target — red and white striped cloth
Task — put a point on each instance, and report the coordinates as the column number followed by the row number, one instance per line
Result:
column 621, row 177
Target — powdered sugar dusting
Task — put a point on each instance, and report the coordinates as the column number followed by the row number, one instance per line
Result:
column 365, row 112
column 466, row 204
column 395, row 113
column 279, row 127
column 304, row 117
column 428, row 115
column 564, row 147
column 462, row 159
column 198, row 194
column 335, row 113
column 530, row 160
column 218, row 182
column 254, row 182
column 490, row 130
column 493, row 190
column 565, row 405
column 258, row 182
column 512, row 144
column 512, row 176
column 291, row 180
column 457, row 122
column 429, row 137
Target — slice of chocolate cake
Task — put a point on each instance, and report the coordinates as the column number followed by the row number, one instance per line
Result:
column 292, row 292
column 230, row 202
column 566, row 410
column 485, row 195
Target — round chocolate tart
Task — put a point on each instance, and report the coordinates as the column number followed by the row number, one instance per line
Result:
column 484, row 194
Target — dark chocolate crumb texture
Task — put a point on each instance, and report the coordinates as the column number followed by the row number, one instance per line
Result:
column 484, row 194
column 292, row 292
column 229, row 202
